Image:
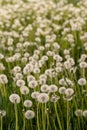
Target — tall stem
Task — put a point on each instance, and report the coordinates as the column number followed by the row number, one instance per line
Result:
column 67, row 115
column 24, row 123
column 1, row 124
column 58, row 119
column 38, row 117
column 43, row 117
column 16, row 117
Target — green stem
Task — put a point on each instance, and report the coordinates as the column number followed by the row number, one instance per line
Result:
column 67, row 115
column 16, row 117
column 1, row 124
column 47, row 121
column 58, row 119
column 43, row 117
column 24, row 123
column 38, row 117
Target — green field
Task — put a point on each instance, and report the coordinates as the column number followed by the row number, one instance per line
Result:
column 43, row 65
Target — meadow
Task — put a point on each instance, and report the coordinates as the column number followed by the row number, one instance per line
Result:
column 43, row 65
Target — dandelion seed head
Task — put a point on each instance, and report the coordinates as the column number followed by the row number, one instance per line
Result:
column 43, row 98
column 29, row 114
column 82, row 81
column 14, row 98
column 28, row 103
column 24, row 90
column 84, row 113
column 35, row 94
column 78, row 112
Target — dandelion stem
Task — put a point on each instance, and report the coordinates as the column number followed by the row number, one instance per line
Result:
column 43, row 117
column 67, row 115
column 47, row 121
column 24, row 123
column 1, row 124
column 16, row 117
column 58, row 119
column 38, row 117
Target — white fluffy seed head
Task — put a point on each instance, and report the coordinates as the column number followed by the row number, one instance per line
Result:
column 78, row 112
column 69, row 92
column 30, row 78
column 14, row 98
column 33, row 84
column 82, row 81
column 2, row 113
column 44, row 88
column 43, row 98
column 83, row 65
column 18, row 76
column 3, row 79
column 84, row 113
column 54, row 98
column 53, row 88
column 35, row 94
column 24, row 90
column 20, row 83
column 62, row 90
column 29, row 114
column 27, row 103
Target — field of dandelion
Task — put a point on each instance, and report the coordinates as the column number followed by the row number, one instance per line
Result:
column 43, row 65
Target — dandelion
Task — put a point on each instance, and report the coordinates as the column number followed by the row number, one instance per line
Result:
column 33, row 84
column 69, row 92
column 53, row 88
column 35, row 94
column 62, row 90
column 2, row 114
column 82, row 81
column 83, row 65
column 16, row 69
column 19, row 76
column 14, row 98
column 27, row 103
column 30, row 78
column 78, row 112
column 24, row 90
column 43, row 98
column 84, row 113
column 44, row 88
column 3, row 79
column 29, row 114
column 54, row 98
column 2, row 67
column 20, row 83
